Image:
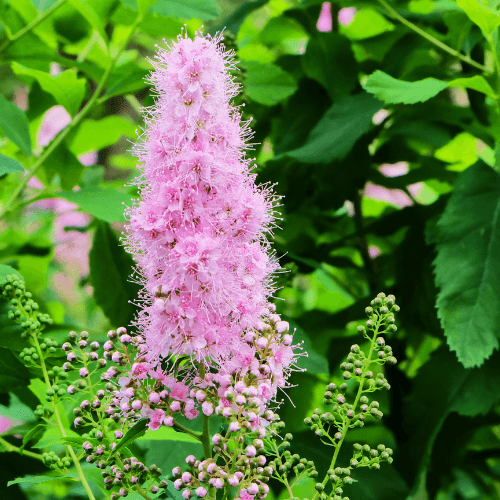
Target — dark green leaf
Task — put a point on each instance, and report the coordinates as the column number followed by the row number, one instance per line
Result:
column 104, row 203
column 9, row 165
column 64, row 163
column 330, row 61
column 314, row 363
column 339, row 128
column 268, row 84
column 110, row 271
column 467, row 268
column 13, row 373
column 135, row 432
column 443, row 386
column 14, row 123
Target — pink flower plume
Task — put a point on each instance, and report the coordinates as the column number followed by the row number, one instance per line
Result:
column 198, row 233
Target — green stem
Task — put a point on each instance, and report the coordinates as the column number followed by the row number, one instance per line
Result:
column 345, row 427
column 489, row 38
column 74, row 122
column 41, row 17
column 105, row 432
column 11, row 447
column 205, row 436
column 72, row 453
column 431, row 39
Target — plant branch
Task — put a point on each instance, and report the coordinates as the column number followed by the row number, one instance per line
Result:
column 431, row 39
column 41, row 17
column 72, row 453
column 11, row 447
column 74, row 122
column 345, row 427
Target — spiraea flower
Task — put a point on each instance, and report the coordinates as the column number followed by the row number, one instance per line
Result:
column 198, row 232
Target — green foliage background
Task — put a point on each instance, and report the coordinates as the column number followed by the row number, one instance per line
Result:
column 312, row 96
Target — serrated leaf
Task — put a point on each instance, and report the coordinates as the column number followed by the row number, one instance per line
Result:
column 66, row 88
column 110, row 270
column 340, row 127
column 15, row 125
column 94, row 135
column 467, row 268
column 135, row 432
column 481, row 15
column 38, row 479
column 268, row 84
column 394, row 91
column 8, row 165
column 475, row 82
column 104, row 203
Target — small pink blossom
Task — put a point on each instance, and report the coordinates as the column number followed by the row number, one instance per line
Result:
column 324, row 23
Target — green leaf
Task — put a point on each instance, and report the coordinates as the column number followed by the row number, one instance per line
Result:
column 13, row 373
column 104, row 203
column 366, row 24
column 268, row 84
column 94, row 135
column 394, row 91
column 110, row 271
column 186, row 9
column 88, row 12
column 480, row 15
column 443, row 386
column 168, row 434
column 339, row 75
column 340, row 127
column 144, row 5
column 15, row 125
column 467, row 239
column 66, row 88
column 38, row 479
column 10, row 331
column 33, row 434
column 314, row 363
column 180, row 9
column 131, row 79
column 6, row 271
column 64, row 163
column 135, row 432
column 475, row 82
column 236, row 19
column 9, row 165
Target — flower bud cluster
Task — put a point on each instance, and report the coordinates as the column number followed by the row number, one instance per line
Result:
column 54, row 462
column 364, row 456
column 25, row 309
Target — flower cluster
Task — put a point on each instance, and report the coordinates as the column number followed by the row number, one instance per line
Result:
column 199, row 232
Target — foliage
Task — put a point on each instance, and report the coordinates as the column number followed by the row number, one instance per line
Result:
column 383, row 137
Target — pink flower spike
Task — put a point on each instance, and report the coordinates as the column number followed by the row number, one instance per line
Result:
column 198, row 233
